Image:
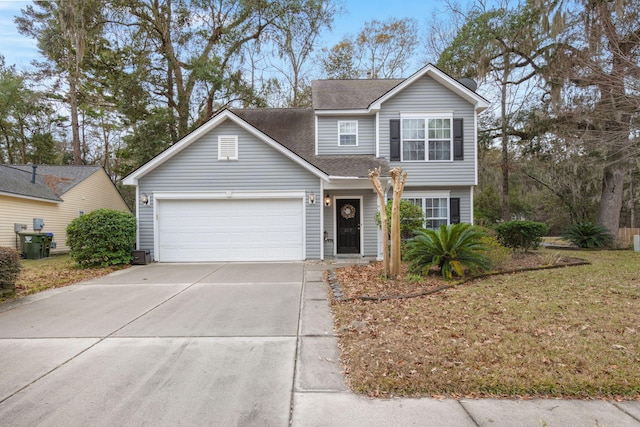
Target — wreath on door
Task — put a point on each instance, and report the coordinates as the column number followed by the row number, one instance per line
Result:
column 348, row 212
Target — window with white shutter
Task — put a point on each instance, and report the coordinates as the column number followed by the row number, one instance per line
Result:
column 227, row 147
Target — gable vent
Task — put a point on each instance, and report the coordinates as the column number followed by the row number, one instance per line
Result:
column 228, row 147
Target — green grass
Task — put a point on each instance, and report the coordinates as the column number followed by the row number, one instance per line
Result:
column 569, row 332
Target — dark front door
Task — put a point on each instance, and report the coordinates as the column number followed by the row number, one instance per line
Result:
column 348, row 225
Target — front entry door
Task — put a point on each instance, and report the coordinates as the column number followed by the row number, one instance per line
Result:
column 348, row 225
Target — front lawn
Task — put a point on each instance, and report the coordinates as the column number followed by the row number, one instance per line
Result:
column 569, row 332
column 54, row 272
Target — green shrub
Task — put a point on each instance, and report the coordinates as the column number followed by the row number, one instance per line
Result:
column 411, row 218
column 524, row 235
column 102, row 238
column 497, row 254
column 588, row 235
column 9, row 270
column 452, row 248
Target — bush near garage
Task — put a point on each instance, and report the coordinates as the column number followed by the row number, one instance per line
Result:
column 102, row 238
column 9, row 270
column 521, row 235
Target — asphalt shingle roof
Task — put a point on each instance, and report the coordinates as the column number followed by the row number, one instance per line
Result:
column 349, row 94
column 51, row 181
column 294, row 128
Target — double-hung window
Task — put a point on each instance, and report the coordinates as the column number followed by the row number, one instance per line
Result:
column 435, row 208
column 426, row 139
column 348, row 133
column 413, row 139
column 436, row 211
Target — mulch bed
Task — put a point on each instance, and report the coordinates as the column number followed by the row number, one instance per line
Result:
column 367, row 282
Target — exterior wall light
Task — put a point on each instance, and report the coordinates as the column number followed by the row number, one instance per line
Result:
column 327, row 200
column 144, row 199
column 312, row 198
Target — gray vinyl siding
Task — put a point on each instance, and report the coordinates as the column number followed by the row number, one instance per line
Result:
column 428, row 96
column 465, row 203
column 370, row 229
column 258, row 168
column 328, row 136
column 369, row 223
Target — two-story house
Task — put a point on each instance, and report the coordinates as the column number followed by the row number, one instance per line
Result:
column 292, row 184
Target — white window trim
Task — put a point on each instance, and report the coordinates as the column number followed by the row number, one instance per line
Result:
column 340, row 133
column 430, row 195
column 426, row 117
column 227, row 139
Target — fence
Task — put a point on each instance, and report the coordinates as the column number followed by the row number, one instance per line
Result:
column 625, row 236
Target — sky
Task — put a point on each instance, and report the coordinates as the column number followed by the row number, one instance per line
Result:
column 21, row 50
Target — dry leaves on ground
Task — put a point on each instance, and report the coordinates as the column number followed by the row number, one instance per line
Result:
column 569, row 332
column 369, row 280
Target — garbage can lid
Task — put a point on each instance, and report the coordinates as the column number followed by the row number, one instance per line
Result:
column 49, row 234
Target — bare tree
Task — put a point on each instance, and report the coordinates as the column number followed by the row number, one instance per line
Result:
column 595, row 79
column 296, row 35
column 500, row 44
column 382, row 49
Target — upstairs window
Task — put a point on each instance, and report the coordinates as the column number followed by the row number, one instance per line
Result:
column 348, row 133
column 426, row 139
column 227, row 147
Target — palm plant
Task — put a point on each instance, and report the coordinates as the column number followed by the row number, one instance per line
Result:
column 452, row 248
column 588, row 235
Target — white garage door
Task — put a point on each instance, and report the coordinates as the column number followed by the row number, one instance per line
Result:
column 229, row 230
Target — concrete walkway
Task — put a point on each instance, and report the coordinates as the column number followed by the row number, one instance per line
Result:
column 215, row 344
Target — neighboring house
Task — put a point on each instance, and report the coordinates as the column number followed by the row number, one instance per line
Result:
column 292, row 184
column 57, row 194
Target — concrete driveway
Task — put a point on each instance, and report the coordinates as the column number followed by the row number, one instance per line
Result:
column 216, row 344
column 178, row 344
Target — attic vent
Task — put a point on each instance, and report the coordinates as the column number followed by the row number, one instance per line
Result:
column 227, row 147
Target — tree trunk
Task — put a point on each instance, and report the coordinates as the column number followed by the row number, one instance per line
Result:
column 374, row 177
column 611, row 197
column 398, row 178
column 504, row 161
column 75, row 126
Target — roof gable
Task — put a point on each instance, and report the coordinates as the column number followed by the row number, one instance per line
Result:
column 441, row 77
column 194, row 136
column 367, row 95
